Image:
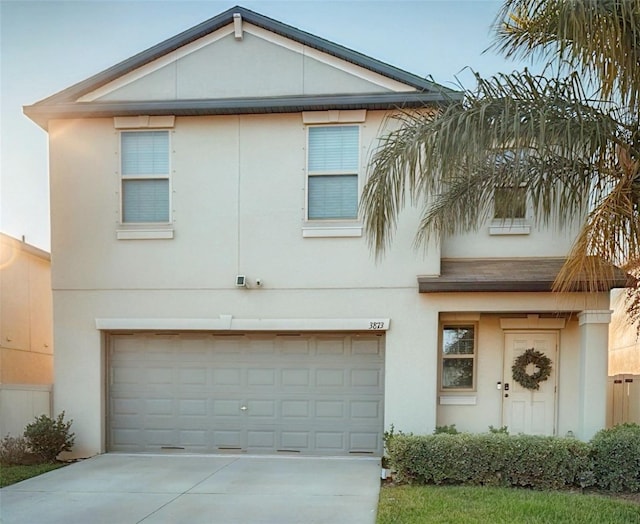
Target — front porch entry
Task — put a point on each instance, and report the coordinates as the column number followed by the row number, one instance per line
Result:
column 523, row 410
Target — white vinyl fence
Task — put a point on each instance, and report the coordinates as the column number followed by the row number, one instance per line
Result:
column 20, row 404
column 623, row 399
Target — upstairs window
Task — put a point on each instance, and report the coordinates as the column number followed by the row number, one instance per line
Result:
column 458, row 357
column 510, row 203
column 333, row 162
column 145, row 177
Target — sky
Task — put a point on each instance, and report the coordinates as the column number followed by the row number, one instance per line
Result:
column 49, row 45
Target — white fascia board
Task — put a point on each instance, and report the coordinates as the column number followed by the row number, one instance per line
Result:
column 226, row 323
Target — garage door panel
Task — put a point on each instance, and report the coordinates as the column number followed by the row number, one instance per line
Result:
column 296, row 409
column 367, row 347
column 261, row 408
column 159, row 406
column 292, row 345
column 330, row 378
column 125, row 375
column 261, row 377
column 229, row 438
column 231, row 376
column 306, row 393
column 363, row 441
column 294, row 378
column 330, row 441
column 193, row 407
column 326, row 409
column 331, row 347
column 162, row 376
column 261, row 439
column 365, row 410
column 195, row 438
column 371, row 378
column 192, row 376
column 161, row 437
column 226, row 408
column 128, row 437
column 293, row 441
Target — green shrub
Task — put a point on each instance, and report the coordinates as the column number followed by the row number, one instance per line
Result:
column 494, row 459
column 449, row 430
column 616, row 458
column 548, row 462
column 14, row 451
column 47, row 437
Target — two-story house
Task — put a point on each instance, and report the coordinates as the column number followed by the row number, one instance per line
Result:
column 214, row 290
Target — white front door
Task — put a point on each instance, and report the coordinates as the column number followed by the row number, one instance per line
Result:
column 523, row 410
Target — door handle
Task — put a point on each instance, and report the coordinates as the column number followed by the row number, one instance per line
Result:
column 244, row 408
column 506, row 386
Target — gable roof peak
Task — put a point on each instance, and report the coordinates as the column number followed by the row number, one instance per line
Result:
column 71, row 95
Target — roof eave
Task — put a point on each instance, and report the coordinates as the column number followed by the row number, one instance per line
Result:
column 531, row 274
column 433, row 285
column 42, row 113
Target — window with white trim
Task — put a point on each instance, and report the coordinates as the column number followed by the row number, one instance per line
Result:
column 458, row 357
column 333, row 162
column 145, row 181
column 509, row 203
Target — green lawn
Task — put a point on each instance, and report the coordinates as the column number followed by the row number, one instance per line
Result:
column 12, row 474
column 460, row 504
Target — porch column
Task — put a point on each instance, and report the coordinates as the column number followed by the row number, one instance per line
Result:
column 592, row 394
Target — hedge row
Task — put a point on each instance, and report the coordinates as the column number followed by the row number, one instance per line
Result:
column 610, row 461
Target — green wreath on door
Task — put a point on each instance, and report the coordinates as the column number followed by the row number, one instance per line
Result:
column 539, row 360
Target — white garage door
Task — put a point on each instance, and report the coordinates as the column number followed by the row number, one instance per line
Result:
column 256, row 393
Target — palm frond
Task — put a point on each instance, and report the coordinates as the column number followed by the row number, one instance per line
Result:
column 598, row 38
column 610, row 237
column 512, row 130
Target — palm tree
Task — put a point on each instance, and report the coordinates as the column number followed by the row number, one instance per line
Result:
column 570, row 137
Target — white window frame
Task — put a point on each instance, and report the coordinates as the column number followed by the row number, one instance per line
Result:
column 520, row 189
column 341, row 226
column 510, row 225
column 442, row 357
column 123, row 178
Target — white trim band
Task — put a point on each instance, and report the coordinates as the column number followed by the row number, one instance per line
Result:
column 594, row 316
column 228, row 323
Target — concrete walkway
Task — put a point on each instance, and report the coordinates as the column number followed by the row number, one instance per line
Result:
column 172, row 489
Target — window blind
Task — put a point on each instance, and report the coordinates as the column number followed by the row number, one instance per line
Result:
column 145, row 153
column 333, row 149
column 333, row 197
column 145, row 200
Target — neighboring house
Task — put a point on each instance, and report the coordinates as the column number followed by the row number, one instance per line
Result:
column 213, row 289
column 624, row 339
column 623, row 393
column 26, row 334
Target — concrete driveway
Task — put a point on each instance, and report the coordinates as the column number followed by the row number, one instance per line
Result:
column 172, row 489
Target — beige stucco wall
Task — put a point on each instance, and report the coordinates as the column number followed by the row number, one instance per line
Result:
column 238, row 207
